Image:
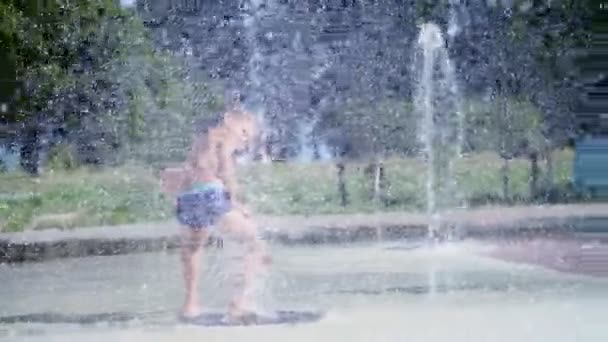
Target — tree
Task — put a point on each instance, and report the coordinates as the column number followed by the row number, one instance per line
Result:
column 93, row 79
column 511, row 128
column 561, row 29
column 372, row 132
column 71, row 58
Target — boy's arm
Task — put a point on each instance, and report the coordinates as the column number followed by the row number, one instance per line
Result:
column 227, row 173
column 172, row 180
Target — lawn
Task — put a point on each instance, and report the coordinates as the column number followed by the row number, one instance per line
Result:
column 87, row 197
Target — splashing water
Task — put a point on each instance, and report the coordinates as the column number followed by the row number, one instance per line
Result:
column 441, row 123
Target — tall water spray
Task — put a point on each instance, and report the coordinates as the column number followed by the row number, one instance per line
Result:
column 441, row 123
column 278, row 79
column 251, row 13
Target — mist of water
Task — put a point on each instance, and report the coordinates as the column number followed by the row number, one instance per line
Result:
column 441, row 122
column 278, row 81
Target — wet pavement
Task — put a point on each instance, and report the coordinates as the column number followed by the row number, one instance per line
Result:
column 370, row 292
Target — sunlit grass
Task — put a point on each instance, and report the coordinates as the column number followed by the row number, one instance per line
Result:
column 99, row 197
column 130, row 193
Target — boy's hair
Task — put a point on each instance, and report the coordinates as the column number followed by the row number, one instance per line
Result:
column 211, row 120
column 200, row 138
column 234, row 96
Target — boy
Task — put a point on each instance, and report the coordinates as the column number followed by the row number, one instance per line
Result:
column 207, row 196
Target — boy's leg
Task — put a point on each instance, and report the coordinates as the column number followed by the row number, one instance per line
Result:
column 241, row 228
column 191, row 247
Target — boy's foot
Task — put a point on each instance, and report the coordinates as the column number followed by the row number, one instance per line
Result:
column 240, row 308
column 243, row 317
column 189, row 312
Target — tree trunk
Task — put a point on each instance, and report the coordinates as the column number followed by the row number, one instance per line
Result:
column 265, row 153
column 260, row 149
column 342, row 184
column 505, row 180
column 316, row 154
column 378, row 181
column 30, row 152
column 534, row 172
column 382, row 182
column 549, row 175
column 376, row 187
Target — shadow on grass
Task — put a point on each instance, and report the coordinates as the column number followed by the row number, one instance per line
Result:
column 557, row 194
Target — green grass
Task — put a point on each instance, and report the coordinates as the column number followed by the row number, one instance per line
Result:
column 312, row 188
column 103, row 197
column 130, row 193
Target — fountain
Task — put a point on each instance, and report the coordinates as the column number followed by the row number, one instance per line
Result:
column 441, row 124
column 370, row 292
column 277, row 80
column 251, row 11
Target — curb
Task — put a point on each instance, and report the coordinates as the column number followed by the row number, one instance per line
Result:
column 506, row 223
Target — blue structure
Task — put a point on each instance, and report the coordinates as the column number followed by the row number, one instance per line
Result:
column 9, row 159
column 591, row 166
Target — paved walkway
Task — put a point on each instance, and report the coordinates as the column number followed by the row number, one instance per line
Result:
column 47, row 244
column 565, row 255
